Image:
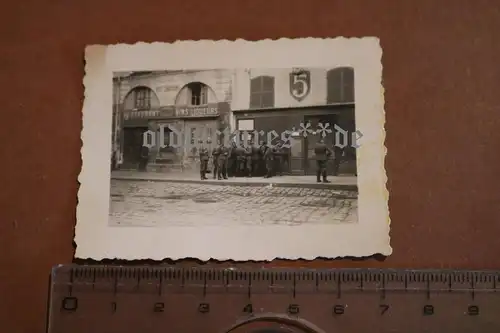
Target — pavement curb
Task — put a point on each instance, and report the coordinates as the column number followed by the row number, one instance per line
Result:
column 331, row 186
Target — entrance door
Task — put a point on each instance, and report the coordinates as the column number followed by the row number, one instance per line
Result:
column 311, row 140
column 132, row 144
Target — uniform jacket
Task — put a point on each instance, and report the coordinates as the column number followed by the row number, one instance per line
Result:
column 269, row 154
column 224, row 153
column 262, row 150
column 255, row 153
column 203, row 151
column 248, row 152
column 278, row 151
column 232, row 152
column 322, row 152
column 215, row 154
column 240, row 153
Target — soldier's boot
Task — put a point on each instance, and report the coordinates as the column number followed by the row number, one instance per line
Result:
column 318, row 176
column 201, row 175
column 324, row 177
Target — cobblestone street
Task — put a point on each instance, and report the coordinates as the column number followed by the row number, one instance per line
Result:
column 141, row 203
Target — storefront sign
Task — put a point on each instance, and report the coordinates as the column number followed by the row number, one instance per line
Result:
column 197, row 112
column 149, row 114
column 146, row 114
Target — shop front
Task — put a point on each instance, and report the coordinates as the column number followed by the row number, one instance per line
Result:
column 300, row 158
column 176, row 134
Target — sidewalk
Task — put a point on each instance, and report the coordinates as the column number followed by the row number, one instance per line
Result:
column 346, row 183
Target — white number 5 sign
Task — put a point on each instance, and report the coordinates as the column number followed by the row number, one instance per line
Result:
column 300, row 85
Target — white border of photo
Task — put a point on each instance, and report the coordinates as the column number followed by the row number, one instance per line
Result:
column 96, row 239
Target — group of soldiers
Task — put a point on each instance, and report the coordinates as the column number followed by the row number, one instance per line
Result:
column 252, row 160
column 242, row 160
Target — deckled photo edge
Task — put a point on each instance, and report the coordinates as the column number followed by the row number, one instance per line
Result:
column 87, row 236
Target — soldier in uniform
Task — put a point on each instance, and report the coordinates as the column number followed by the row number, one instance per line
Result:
column 231, row 160
column 222, row 161
column 248, row 160
column 240, row 160
column 204, row 157
column 215, row 160
column 255, row 159
column 262, row 162
column 322, row 153
column 278, row 161
column 269, row 160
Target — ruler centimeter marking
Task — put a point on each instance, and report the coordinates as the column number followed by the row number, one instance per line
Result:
column 73, row 283
column 281, row 280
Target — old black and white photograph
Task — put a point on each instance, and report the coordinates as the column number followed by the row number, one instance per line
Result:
column 249, row 146
column 201, row 148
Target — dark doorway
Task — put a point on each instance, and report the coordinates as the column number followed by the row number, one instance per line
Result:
column 327, row 121
column 132, row 143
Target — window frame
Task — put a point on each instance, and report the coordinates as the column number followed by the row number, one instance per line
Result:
column 197, row 97
column 258, row 91
column 142, row 98
column 337, row 79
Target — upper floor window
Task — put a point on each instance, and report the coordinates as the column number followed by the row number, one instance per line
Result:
column 340, row 85
column 198, row 93
column 262, row 92
column 142, row 98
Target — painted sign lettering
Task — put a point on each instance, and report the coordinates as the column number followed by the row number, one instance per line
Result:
column 140, row 114
column 197, row 112
column 300, row 84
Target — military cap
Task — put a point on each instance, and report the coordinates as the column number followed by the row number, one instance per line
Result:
column 200, row 141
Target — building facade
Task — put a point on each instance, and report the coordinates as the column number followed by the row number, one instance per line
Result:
column 194, row 103
column 282, row 99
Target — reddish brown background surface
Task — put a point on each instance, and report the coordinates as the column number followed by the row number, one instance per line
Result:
column 442, row 82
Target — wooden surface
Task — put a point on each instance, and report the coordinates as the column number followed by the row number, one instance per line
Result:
column 441, row 79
